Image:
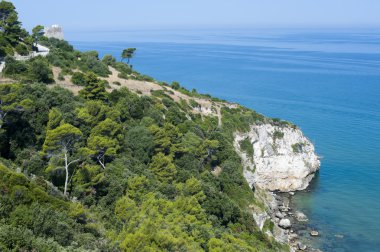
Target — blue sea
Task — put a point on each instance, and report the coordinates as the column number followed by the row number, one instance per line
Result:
column 325, row 81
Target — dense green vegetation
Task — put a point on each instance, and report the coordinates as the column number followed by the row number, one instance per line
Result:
column 34, row 70
column 116, row 171
column 132, row 171
column 13, row 37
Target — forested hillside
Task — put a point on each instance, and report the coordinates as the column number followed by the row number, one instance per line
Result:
column 109, row 169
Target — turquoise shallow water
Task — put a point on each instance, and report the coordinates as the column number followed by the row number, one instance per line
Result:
column 328, row 83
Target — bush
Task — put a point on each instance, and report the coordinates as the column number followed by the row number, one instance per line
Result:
column 60, row 58
column 57, row 43
column 61, row 77
column 247, row 147
column 141, row 143
column 14, row 67
column 194, row 104
column 123, row 76
column 124, row 69
column 22, row 49
column 160, row 93
column 40, row 71
column 3, row 51
column 268, row 225
column 78, row 78
column 90, row 62
column 278, row 135
column 298, row 147
column 108, row 60
column 3, row 47
column 175, row 85
column 168, row 102
column 34, row 70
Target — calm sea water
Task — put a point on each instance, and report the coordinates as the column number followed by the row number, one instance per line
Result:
column 327, row 82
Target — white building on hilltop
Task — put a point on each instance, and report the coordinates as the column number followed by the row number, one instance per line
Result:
column 55, row 31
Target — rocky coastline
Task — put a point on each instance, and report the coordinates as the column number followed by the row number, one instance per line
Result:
column 282, row 160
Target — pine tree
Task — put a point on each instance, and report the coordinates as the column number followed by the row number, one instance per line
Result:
column 104, row 141
column 162, row 166
column 128, row 54
column 60, row 142
column 94, row 88
column 10, row 26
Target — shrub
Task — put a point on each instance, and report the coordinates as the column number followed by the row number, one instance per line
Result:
column 3, row 46
column 78, row 78
column 175, row 85
column 160, row 93
column 57, row 43
column 59, row 58
column 268, row 225
column 123, row 76
column 40, row 71
column 61, row 77
column 14, row 67
column 247, row 147
column 22, row 49
column 124, row 69
column 194, row 104
column 278, row 135
column 108, row 60
column 298, row 147
column 90, row 62
column 3, row 51
column 168, row 102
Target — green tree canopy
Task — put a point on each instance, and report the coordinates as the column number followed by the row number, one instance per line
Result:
column 164, row 169
column 140, row 142
column 95, row 111
column 94, row 88
column 55, row 119
column 166, row 138
column 60, row 142
column 128, row 54
column 10, row 26
column 79, row 78
column 10, row 102
column 61, row 139
column 37, row 33
column 40, row 71
column 125, row 208
column 104, row 141
column 109, row 59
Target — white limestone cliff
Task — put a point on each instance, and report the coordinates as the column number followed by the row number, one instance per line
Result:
column 283, row 158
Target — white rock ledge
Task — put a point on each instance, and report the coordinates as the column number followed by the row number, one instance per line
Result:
column 284, row 159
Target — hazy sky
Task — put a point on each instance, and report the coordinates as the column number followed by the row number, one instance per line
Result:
column 126, row 14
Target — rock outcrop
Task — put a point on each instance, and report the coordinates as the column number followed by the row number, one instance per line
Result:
column 277, row 158
column 285, row 223
column 283, row 158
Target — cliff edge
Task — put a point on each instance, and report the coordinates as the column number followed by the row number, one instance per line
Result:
column 281, row 158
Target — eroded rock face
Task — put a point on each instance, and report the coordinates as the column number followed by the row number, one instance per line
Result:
column 283, row 158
